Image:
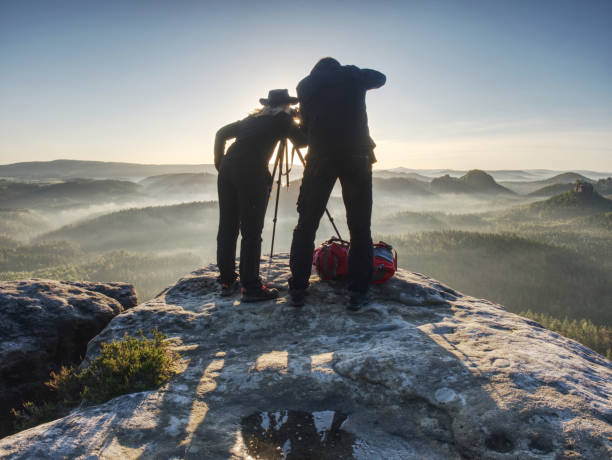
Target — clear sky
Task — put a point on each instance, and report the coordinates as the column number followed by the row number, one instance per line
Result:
column 470, row 84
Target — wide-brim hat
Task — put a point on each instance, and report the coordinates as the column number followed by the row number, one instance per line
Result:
column 278, row 97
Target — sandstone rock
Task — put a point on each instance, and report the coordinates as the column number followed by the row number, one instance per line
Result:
column 583, row 187
column 423, row 372
column 46, row 324
column 123, row 293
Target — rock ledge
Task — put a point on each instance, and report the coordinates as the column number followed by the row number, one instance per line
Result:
column 423, row 372
column 46, row 324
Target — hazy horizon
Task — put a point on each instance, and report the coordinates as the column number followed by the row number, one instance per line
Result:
column 475, row 84
column 376, row 166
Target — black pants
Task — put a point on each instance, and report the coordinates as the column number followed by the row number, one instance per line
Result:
column 320, row 174
column 244, row 190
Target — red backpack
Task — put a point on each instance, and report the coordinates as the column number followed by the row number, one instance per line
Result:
column 331, row 260
column 385, row 262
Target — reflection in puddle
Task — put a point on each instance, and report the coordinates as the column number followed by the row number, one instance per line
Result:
column 297, row 435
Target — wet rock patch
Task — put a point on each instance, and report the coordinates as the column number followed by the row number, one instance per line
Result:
column 291, row 434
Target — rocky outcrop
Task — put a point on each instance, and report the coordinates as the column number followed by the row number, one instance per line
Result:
column 578, row 202
column 422, row 372
column 474, row 182
column 122, row 292
column 604, row 186
column 46, row 324
column 583, row 187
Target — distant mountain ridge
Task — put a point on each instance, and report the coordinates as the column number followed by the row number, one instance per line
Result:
column 181, row 183
column 74, row 192
column 473, row 182
column 602, row 186
column 572, row 204
column 581, row 201
column 65, row 169
column 526, row 188
column 165, row 225
column 401, row 186
column 500, row 175
column 551, row 190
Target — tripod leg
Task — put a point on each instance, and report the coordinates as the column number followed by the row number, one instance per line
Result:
column 331, row 220
column 287, row 163
column 278, row 149
column 279, row 160
column 329, row 216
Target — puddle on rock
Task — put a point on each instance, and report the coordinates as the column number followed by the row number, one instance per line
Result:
column 294, row 435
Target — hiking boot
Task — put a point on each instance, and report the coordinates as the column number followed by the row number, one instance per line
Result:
column 259, row 295
column 357, row 300
column 228, row 289
column 297, row 297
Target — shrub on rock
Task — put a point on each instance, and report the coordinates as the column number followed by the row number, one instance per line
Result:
column 124, row 366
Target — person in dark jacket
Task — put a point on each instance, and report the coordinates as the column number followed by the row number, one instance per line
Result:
column 333, row 112
column 244, row 187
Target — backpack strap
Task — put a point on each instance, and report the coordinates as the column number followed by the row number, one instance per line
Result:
column 325, row 268
column 329, row 272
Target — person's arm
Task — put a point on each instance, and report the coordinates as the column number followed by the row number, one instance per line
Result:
column 369, row 78
column 223, row 135
column 372, row 78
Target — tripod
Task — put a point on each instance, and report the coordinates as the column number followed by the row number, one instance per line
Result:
column 282, row 161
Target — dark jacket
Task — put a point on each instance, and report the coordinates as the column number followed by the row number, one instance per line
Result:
column 256, row 137
column 333, row 109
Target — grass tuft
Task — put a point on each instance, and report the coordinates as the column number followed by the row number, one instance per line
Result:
column 124, row 366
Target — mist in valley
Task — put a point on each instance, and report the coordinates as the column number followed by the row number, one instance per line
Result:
column 542, row 253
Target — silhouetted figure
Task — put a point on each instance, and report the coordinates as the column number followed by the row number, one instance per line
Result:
column 244, row 186
column 333, row 111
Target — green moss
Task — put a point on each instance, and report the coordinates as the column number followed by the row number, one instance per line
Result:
column 124, row 366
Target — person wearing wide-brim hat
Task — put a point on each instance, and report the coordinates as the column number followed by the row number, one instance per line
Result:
column 244, row 186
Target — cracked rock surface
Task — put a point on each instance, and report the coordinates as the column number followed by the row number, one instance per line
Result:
column 422, row 372
column 45, row 324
